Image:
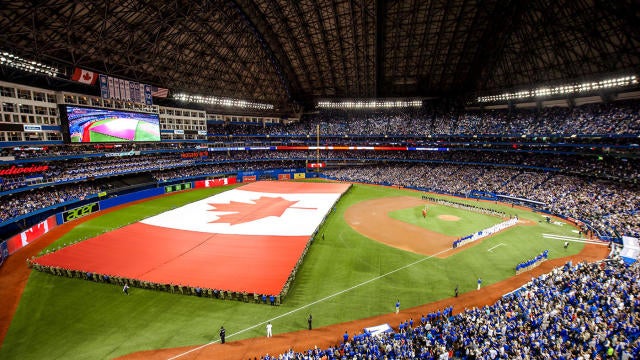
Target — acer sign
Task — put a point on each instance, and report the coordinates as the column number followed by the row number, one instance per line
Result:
column 15, row 170
column 80, row 211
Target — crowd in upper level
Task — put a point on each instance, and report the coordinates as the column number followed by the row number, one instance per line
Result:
column 95, row 167
column 586, row 311
column 27, row 202
column 621, row 118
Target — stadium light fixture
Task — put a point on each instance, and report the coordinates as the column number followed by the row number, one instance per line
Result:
column 563, row 89
column 16, row 62
column 221, row 101
column 368, row 104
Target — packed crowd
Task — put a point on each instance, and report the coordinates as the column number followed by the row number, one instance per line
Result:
column 73, row 169
column 586, row 311
column 225, row 168
column 55, row 150
column 620, row 118
column 26, row 202
column 610, row 208
column 88, row 168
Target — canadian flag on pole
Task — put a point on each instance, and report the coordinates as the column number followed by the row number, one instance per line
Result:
column 84, row 76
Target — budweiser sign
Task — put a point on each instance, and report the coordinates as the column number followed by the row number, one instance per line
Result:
column 15, row 170
column 195, row 154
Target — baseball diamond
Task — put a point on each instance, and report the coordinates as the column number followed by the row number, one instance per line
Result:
column 358, row 245
column 319, row 179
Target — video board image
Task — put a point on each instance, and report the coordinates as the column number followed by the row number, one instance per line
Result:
column 88, row 125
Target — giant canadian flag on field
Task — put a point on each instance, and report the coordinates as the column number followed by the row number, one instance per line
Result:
column 245, row 239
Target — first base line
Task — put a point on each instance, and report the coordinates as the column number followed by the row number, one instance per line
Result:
column 495, row 246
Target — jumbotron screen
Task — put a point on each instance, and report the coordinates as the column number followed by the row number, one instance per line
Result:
column 91, row 125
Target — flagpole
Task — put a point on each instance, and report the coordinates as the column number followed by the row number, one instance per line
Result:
column 318, row 148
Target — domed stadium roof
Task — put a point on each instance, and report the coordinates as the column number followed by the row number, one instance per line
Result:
column 284, row 51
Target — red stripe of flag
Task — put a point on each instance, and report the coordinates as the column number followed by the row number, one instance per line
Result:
column 159, row 92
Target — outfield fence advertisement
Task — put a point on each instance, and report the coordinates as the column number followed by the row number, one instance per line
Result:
column 4, row 252
column 78, row 212
column 274, row 174
column 177, row 187
column 215, row 182
column 28, row 236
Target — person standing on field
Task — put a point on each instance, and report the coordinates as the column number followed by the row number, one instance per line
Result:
column 222, row 334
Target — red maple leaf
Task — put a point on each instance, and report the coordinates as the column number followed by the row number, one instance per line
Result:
column 246, row 212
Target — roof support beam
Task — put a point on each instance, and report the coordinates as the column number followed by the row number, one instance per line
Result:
column 381, row 15
column 272, row 46
column 491, row 47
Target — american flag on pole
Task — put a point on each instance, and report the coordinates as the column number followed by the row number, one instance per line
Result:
column 159, row 92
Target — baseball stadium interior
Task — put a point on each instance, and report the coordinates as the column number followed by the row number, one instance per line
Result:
column 534, row 104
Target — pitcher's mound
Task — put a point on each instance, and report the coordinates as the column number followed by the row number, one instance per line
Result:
column 448, row 217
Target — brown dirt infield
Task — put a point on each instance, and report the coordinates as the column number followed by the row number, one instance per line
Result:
column 14, row 274
column 448, row 217
column 371, row 219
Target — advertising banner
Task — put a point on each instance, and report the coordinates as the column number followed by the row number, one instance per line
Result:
column 249, row 178
column 215, row 182
column 79, row 212
column 177, row 187
column 316, row 165
column 4, row 252
column 26, row 237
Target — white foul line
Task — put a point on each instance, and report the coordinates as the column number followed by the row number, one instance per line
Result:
column 313, row 303
column 496, row 246
column 573, row 239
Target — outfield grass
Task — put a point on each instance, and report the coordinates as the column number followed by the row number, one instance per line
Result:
column 75, row 319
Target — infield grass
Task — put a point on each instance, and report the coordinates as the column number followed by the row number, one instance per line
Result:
column 344, row 277
column 467, row 222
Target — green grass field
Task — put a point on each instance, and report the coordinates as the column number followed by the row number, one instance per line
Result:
column 469, row 222
column 63, row 318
